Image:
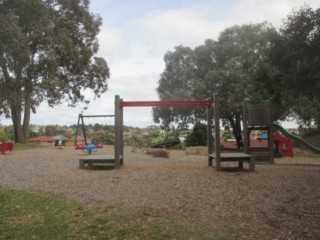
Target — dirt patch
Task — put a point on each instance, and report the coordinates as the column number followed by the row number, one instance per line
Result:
column 277, row 201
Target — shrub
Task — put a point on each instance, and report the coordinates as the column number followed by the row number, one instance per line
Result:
column 198, row 136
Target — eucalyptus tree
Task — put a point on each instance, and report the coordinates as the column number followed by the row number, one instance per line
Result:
column 230, row 66
column 47, row 53
column 176, row 83
column 296, row 61
column 239, row 55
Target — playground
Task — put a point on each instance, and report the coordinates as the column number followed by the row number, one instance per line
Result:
column 276, row 201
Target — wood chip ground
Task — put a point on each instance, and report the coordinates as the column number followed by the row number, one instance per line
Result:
column 280, row 201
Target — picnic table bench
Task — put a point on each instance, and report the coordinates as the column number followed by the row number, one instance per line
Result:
column 101, row 160
column 236, row 157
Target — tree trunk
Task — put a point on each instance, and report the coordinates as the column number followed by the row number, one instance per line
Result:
column 16, row 120
column 26, row 118
column 235, row 122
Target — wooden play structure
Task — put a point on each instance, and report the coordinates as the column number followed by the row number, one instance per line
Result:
column 117, row 159
column 283, row 146
column 120, row 105
column 258, row 117
column 255, row 117
column 219, row 156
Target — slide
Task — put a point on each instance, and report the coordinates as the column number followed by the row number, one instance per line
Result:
column 295, row 138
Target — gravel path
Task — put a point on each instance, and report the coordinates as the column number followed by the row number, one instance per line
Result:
column 280, row 201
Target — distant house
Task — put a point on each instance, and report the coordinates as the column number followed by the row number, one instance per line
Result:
column 50, row 141
column 42, row 140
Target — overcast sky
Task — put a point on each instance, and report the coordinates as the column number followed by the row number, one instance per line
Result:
column 136, row 34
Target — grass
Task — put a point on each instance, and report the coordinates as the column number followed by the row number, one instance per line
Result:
column 21, row 146
column 26, row 215
column 307, row 155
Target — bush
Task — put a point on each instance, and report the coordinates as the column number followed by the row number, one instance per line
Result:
column 4, row 135
column 312, row 136
column 198, row 136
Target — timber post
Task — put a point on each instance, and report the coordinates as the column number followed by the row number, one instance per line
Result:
column 217, row 131
column 245, row 126
column 121, row 133
column 209, row 134
column 117, row 123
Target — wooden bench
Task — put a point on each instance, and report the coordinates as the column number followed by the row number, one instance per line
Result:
column 101, row 160
column 236, row 157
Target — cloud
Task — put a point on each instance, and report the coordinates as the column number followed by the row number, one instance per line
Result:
column 273, row 11
column 134, row 38
column 192, row 25
column 187, row 26
column 113, row 44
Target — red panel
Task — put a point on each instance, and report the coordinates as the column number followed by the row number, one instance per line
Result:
column 179, row 103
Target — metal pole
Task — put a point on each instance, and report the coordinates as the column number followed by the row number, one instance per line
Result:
column 88, row 116
column 76, row 133
column 83, row 130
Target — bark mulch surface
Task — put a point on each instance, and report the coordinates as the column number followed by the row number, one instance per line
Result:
column 277, row 201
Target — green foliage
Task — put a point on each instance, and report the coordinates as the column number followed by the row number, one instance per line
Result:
column 155, row 133
column 4, row 135
column 296, row 61
column 47, row 53
column 176, row 82
column 101, row 133
column 148, row 139
column 226, row 136
column 198, row 136
column 103, row 136
column 227, row 66
column 249, row 61
column 312, row 136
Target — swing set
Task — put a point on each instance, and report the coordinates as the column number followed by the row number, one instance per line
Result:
column 85, row 146
column 117, row 159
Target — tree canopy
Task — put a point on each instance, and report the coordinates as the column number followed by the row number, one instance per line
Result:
column 252, row 61
column 226, row 66
column 47, row 53
column 296, row 60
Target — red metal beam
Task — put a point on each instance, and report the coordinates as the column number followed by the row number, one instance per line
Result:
column 178, row 103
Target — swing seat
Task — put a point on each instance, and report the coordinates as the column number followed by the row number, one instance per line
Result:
column 99, row 145
column 89, row 148
column 79, row 146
